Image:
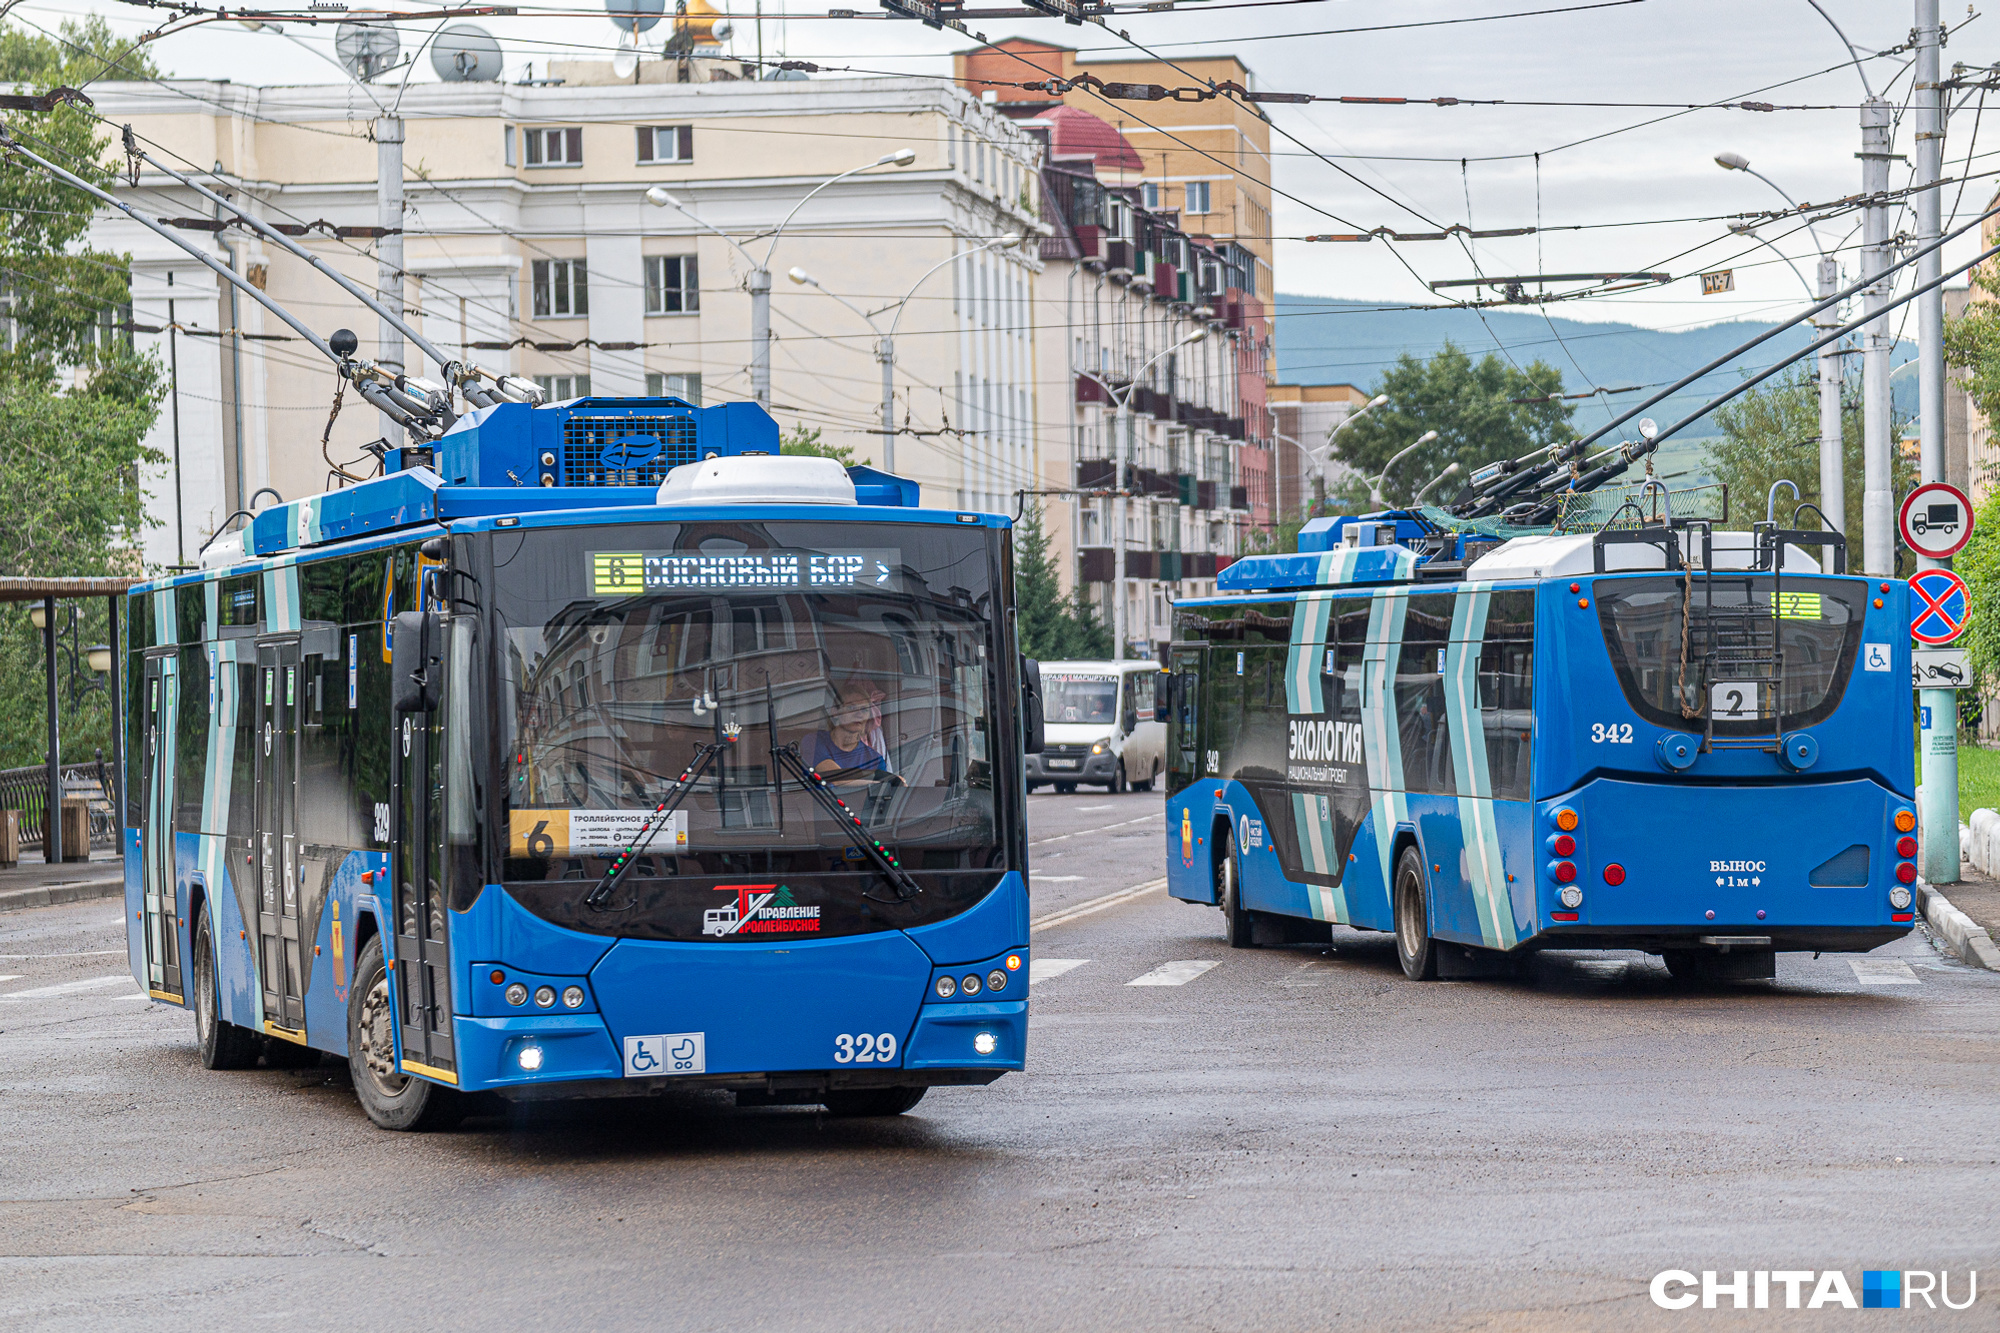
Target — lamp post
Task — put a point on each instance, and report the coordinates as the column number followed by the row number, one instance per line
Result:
column 885, row 343
column 759, row 280
column 1314, row 456
column 1121, row 401
column 1832, row 440
column 1450, row 470
column 97, row 656
column 1375, row 486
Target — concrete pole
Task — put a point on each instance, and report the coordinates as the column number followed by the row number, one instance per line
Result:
column 52, row 848
column 1939, row 712
column 1121, row 429
column 389, row 256
column 1832, row 438
column 760, row 337
column 885, row 352
column 1878, row 502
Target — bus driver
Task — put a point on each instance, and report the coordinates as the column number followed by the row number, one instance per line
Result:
column 843, row 747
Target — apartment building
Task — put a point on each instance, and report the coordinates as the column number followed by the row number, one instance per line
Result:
column 530, row 248
column 1303, row 418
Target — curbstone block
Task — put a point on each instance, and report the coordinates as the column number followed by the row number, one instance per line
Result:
column 70, row 891
column 1959, row 932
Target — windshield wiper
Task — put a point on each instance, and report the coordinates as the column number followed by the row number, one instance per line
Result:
column 883, row 859
column 704, row 755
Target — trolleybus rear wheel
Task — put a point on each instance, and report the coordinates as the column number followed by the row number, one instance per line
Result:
column 873, row 1101
column 1229, row 894
column 391, row 1098
column 1414, row 947
column 224, row 1045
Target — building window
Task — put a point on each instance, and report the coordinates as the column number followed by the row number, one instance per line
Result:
column 666, row 143
column 114, row 328
column 687, row 388
column 561, row 288
column 1149, row 196
column 554, row 148
column 671, row 286
column 507, row 144
column 1197, row 196
column 562, row 388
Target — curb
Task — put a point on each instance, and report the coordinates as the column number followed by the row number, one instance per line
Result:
column 1966, row 938
column 65, row 891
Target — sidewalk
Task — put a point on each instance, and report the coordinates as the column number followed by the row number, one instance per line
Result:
column 37, row 884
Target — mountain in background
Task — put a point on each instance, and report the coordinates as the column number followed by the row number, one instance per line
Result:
column 1322, row 340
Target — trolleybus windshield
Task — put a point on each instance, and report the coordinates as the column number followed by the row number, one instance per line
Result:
column 866, row 650
column 1730, row 657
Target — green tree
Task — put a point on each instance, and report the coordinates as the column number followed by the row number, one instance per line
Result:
column 1052, row 627
column 804, row 440
column 1772, row 432
column 1979, row 565
column 1482, row 411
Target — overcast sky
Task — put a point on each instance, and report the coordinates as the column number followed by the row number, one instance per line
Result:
column 1667, row 51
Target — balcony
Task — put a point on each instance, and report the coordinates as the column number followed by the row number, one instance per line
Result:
column 1096, row 474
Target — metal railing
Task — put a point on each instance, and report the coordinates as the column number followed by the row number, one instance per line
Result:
column 27, row 790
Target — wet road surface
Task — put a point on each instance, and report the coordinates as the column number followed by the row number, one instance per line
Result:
column 1206, row 1138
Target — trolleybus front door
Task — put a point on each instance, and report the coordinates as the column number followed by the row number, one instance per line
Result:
column 280, row 961
column 156, row 830
column 423, row 971
column 1185, row 711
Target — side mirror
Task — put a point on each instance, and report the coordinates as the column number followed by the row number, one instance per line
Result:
column 1034, row 731
column 416, row 639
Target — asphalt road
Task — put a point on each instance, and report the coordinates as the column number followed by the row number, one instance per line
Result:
column 1270, row 1139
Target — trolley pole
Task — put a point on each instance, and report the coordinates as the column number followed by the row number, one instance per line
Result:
column 1939, row 707
column 1878, row 501
column 389, row 254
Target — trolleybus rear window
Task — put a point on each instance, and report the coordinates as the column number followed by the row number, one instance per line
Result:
column 1734, row 659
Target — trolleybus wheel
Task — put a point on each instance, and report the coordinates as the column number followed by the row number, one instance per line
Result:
column 392, row 1099
column 1065, row 789
column 873, row 1101
column 224, row 1045
column 1229, row 894
column 1414, row 948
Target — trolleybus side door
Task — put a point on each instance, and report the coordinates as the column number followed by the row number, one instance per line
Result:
column 1185, row 712
column 280, row 959
column 416, row 831
column 156, row 833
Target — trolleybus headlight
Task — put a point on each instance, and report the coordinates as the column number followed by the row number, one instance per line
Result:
column 1566, row 820
column 529, row 1058
column 1906, row 873
column 1572, row 896
column 1906, row 846
column 946, row 988
column 996, row 980
column 517, row 994
column 1562, row 872
column 1562, row 844
column 1899, row 897
column 970, row 985
column 545, row 996
column 573, row 997
column 1906, row 821
column 985, row 1043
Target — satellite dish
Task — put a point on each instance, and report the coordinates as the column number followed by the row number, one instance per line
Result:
column 465, row 53
column 366, row 49
column 635, row 16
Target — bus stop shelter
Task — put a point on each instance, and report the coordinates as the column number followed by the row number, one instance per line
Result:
column 49, row 592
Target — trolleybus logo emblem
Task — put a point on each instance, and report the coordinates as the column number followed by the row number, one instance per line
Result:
column 759, row 909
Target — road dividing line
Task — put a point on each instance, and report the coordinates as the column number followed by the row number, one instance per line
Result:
column 1086, row 832
column 15, row 977
column 1057, row 879
column 68, row 988
column 1068, row 914
column 1883, row 972
column 1048, row 969
column 1173, row 974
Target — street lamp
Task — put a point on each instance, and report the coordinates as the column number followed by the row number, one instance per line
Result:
column 1121, row 428
column 759, row 279
column 885, row 343
column 1450, row 470
column 1832, row 482
column 97, row 656
column 1314, row 456
column 1375, row 486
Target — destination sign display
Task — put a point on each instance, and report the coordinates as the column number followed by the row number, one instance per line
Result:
column 633, row 573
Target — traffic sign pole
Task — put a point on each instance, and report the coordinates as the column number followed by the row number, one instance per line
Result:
column 1936, row 523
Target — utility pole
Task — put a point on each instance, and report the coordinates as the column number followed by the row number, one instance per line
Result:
column 389, row 254
column 1878, row 501
column 1832, row 434
column 1121, row 429
column 1939, row 710
column 760, row 336
column 885, row 352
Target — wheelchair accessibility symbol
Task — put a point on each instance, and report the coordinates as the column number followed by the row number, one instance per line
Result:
column 666, row 1055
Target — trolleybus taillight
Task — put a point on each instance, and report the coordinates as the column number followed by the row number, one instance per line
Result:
column 1907, row 873
column 1906, row 846
column 1562, row 844
column 1614, row 874
column 1566, row 819
column 1906, row 821
column 1562, row 872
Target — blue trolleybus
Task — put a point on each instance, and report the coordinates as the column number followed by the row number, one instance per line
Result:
column 1663, row 738
column 593, row 749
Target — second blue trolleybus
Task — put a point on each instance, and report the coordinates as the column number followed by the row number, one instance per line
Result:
column 1671, row 739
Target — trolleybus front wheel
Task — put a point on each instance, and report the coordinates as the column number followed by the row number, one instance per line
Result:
column 391, row 1098
column 1229, row 894
column 224, row 1045
column 1414, row 947
column 873, row 1101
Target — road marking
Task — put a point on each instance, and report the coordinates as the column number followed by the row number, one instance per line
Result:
column 1095, row 905
column 68, row 988
column 1883, row 972
column 1048, row 969
column 1105, row 828
column 1056, row 879
column 15, row 977
column 1089, row 809
column 1173, row 974
column 86, row 953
